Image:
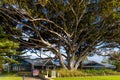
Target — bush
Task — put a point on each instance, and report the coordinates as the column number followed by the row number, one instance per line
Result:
column 100, row 72
column 69, row 73
column 111, row 72
column 90, row 72
column 44, row 72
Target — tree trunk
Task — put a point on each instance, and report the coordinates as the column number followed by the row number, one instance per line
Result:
column 80, row 65
column 70, row 65
column 77, row 64
column 71, row 62
column 62, row 62
column 1, row 70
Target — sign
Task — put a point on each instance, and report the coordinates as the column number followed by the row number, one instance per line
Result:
column 35, row 72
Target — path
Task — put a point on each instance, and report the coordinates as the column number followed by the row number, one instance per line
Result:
column 31, row 78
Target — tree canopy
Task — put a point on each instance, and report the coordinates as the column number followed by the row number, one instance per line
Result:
column 71, row 29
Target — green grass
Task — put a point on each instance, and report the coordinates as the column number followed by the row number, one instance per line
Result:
column 11, row 74
column 90, row 78
column 10, row 78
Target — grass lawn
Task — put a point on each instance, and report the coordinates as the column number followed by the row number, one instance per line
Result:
column 10, row 78
column 91, row 78
column 11, row 74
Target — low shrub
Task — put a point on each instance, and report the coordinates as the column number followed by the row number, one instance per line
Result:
column 69, row 73
column 111, row 72
column 46, row 72
column 90, row 72
column 100, row 72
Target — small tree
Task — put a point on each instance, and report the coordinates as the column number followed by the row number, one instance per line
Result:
column 115, row 59
column 7, row 48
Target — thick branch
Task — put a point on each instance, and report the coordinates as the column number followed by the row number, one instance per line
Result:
column 47, row 20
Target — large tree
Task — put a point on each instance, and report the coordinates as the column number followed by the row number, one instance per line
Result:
column 71, row 29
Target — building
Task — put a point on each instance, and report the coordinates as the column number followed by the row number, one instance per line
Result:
column 31, row 64
column 96, row 65
column 45, row 64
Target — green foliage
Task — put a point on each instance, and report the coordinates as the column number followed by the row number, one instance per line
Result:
column 117, row 64
column 69, row 73
column 7, row 48
column 115, row 59
column 91, row 72
column 45, row 72
column 100, row 72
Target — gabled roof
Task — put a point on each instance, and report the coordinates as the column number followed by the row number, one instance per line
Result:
column 40, row 62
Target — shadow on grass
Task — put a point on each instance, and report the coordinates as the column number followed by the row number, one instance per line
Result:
column 10, row 74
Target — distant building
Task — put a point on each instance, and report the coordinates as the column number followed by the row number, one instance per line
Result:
column 96, row 65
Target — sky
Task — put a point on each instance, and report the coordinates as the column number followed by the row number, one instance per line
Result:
column 96, row 57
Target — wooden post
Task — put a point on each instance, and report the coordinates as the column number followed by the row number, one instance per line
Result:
column 32, row 67
column 23, row 78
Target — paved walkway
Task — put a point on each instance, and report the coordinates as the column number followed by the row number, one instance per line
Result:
column 30, row 78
